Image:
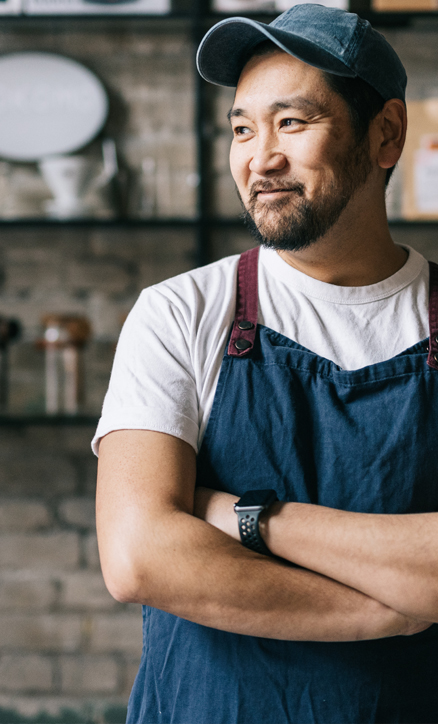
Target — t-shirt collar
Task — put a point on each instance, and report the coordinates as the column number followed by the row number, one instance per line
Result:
column 311, row 287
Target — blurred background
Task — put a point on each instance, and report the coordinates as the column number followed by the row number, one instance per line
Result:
column 114, row 176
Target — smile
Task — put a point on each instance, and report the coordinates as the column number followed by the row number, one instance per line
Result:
column 272, row 193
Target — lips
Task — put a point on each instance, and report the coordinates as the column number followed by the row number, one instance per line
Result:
column 273, row 191
column 267, row 195
column 262, row 191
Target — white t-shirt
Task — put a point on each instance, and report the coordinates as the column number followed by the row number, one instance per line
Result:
column 170, row 350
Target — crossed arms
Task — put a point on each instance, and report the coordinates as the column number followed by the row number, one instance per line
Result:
column 361, row 577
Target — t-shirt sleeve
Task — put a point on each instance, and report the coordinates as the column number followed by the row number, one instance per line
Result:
column 152, row 385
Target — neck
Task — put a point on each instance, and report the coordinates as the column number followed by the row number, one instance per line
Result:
column 357, row 251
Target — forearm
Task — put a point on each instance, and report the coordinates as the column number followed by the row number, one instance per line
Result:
column 189, row 568
column 393, row 558
column 153, row 550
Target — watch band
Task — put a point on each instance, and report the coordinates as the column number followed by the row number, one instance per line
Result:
column 249, row 532
column 248, row 510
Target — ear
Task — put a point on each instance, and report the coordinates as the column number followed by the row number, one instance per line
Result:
column 391, row 128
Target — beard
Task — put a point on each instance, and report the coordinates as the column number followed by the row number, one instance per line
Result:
column 288, row 224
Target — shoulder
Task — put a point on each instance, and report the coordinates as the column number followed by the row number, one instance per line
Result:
column 204, row 281
column 193, row 294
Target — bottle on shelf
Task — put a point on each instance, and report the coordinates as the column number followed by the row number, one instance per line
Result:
column 64, row 338
column 144, row 205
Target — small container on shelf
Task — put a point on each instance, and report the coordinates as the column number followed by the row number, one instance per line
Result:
column 64, row 338
column 394, row 195
column 286, row 4
column 405, row 6
column 10, row 330
column 144, row 197
column 247, row 6
column 72, row 180
column 419, row 162
column 162, row 190
column 96, row 7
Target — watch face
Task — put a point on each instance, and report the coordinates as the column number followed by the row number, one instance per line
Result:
column 256, row 499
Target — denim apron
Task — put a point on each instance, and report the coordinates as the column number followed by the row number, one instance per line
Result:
column 364, row 440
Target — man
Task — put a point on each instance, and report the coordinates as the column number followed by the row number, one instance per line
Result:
column 317, row 607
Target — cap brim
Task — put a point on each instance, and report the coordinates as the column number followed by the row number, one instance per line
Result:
column 225, row 48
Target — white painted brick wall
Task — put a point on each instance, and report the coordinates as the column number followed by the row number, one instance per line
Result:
column 19, row 515
column 89, row 674
column 28, row 673
column 39, row 551
column 36, row 632
column 78, row 511
column 21, row 590
column 85, row 590
column 117, row 632
column 65, row 643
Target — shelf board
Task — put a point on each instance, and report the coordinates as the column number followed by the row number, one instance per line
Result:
column 158, row 24
column 48, row 420
column 393, row 222
column 386, row 19
column 98, row 16
column 206, row 222
column 99, row 223
column 413, row 224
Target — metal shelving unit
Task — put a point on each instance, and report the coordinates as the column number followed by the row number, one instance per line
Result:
column 197, row 20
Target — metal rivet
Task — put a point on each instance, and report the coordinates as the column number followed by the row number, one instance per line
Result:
column 435, row 357
column 245, row 325
column 242, row 344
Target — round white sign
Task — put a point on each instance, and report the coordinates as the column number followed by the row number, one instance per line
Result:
column 48, row 105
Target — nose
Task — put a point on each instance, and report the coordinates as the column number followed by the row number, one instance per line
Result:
column 267, row 158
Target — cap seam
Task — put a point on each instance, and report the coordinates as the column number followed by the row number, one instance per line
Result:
column 356, row 39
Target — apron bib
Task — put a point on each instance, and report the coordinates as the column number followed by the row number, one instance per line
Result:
column 363, row 440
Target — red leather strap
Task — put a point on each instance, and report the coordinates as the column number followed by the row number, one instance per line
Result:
column 247, row 305
column 432, row 359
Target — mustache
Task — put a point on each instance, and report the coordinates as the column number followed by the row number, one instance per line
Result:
column 266, row 186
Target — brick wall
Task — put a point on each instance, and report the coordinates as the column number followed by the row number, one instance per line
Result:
column 68, row 651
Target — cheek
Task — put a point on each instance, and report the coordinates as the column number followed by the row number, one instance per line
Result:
column 311, row 152
column 313, row 156
column 239, row 165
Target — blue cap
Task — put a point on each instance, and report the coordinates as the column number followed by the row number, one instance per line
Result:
column 333, row 40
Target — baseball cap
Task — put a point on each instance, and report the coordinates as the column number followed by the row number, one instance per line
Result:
column 333, row 40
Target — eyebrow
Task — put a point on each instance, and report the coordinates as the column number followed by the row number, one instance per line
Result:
column 296, row 103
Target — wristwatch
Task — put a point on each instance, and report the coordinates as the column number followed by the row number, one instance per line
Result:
column 248, row 509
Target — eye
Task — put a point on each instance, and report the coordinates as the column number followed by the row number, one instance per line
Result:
column 290, row 122
column 241, row 130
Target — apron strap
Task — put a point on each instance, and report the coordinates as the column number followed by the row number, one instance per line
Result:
column 247, row 305
column 432, row 359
